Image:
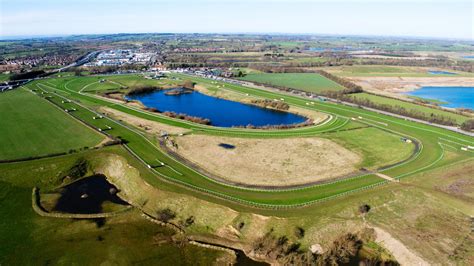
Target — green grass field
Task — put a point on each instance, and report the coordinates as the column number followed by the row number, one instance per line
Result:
column 133, row 80
column 410, row 106
column 377, row 148
column 4, row 77
column 122, row 82
column 309, row 82
column 32, row 127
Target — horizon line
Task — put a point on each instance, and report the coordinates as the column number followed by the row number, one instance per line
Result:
column 21, row 37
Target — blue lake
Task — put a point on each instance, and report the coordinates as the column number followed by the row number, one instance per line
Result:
column 456, row 97
column 434, row 72
column 222, row 113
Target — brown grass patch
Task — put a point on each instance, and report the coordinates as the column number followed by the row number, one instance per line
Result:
column 271, row 162
column 144, row 124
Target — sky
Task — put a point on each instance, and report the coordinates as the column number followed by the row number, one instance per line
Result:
column 451, row 19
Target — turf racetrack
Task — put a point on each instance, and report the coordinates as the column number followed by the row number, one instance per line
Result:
column 432, row 143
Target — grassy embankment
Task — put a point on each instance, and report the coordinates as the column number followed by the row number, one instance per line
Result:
column 128, row 238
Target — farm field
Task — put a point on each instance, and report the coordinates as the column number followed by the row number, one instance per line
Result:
column 49, row 129
column 410, row 106
column 309, row 82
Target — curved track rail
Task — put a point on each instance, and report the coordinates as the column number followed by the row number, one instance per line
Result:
column 170, row 170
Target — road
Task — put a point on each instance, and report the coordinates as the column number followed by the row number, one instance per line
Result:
column 17, row 83
column 79, row 62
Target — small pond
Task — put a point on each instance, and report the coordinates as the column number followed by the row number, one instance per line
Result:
column 227, row 146
column 221, row 112
column 87, row 195
column 455, row 97
column 435, row 72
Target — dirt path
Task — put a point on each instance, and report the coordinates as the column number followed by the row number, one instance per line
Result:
column 402, row 254
column 391, row 179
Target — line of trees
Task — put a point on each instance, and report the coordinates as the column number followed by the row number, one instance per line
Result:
column 27, row 75
column 279, row 105
column 349, row 87
column 308, row 122
column 186, row 117
column 275, row 64
column 142, row 89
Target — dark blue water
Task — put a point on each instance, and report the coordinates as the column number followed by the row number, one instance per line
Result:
column 222, row 113
column 434, row 72
column 456, row 97
column 227, row 146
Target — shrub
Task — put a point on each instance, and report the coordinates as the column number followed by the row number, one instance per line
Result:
column 364, row 208
column 165, row 215
column 189, row 221
column 79, row 169
column 342, row 250
column 468, row 125
column 142, row 90
column 279, row 105
column 299, row 232
column 188, row 84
